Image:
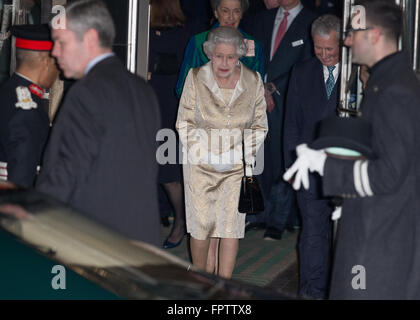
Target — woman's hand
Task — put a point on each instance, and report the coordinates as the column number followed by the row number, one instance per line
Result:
column 269, row 89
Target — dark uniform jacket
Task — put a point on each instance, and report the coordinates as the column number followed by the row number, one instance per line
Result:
column 377, row 253
column 101, row 155
column 24, row 127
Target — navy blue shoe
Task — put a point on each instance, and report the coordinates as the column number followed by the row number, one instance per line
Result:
column 169, row 245
column 272, row 234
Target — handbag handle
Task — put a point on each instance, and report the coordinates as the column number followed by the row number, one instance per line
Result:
column 243, row 154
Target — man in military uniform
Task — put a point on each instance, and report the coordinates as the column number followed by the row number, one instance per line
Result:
column 24, row 122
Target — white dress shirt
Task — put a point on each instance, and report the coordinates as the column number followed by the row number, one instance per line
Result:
column 279, row 18
column 96, row 60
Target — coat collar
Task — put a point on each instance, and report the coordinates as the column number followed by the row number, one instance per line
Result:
column 380, row 72
column 205, row 75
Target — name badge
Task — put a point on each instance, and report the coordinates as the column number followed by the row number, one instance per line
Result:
column 297, row 43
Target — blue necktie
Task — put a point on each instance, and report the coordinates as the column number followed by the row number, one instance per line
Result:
column 329, row 84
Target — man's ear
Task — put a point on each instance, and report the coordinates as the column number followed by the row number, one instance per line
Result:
column 216, row 14
column 44, row 60
column 91, row 38
column 375, row 35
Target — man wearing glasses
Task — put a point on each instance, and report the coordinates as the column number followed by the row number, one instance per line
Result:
column 377, row 253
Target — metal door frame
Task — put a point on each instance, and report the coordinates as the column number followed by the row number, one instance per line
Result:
column 142, row 45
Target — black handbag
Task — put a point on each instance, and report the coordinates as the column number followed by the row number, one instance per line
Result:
column 250, row 199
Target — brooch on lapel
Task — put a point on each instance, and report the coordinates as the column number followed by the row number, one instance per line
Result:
column 251, row 48
column 24, row 99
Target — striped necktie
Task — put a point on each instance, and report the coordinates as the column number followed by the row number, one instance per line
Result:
column 329, row 84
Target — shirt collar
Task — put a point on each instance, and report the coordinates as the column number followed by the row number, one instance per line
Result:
column 337, row 66
column 292, row 12
column 24, row 77
column 96, row 60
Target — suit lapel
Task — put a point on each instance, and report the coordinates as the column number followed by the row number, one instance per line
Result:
column 294, row 33
column 240, row 87
column 321, row 82
column 269, row 26
column 335, row 96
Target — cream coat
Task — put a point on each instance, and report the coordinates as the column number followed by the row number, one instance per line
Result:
column 211, row 197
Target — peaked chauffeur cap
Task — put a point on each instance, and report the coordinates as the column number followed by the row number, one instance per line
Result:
column 32, row 37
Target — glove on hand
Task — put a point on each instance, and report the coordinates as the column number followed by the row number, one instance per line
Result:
column 307, row 160
column 221, row 162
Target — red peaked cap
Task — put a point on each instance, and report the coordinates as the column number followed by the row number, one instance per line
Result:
column 32, row 37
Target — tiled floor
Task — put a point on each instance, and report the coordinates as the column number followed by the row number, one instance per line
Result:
column 259, row 262
column 288, row 280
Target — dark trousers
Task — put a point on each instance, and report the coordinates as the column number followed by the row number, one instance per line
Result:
column 314, row 244
column 280, row 205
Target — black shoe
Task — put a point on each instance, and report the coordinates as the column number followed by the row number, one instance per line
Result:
column 272, row 234
column 254, row 226
column 169, row 245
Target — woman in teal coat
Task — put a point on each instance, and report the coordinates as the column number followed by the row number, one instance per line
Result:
column 228, row 13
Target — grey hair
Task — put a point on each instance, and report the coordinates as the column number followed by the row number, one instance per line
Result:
column 84, row 15
column 225, row 35
column 244, row 4
column 326, row 23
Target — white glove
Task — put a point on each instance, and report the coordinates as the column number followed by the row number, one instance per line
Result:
column 221, row 162
column 248, row 171
column 308, row 159
column 336, row 214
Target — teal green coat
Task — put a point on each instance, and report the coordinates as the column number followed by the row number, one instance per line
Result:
column 195, row 57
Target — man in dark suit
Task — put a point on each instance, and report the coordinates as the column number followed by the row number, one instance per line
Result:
column 24, row 122
column 312, row 96
column 101, row 155
column 285, row 36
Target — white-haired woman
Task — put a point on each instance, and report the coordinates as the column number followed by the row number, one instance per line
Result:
column 228, row 13
column 219, row 101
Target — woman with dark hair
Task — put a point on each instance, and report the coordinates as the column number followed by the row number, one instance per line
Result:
column 228, row 14
column 168, row 37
